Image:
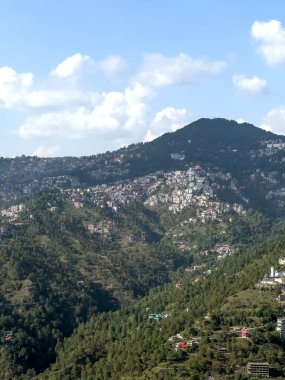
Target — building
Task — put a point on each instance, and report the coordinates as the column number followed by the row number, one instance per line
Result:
column 157, row 317
column 281, row 299
column 273, row 279
column 281, row 261
column 260, row 369
column 178, row 156
column 281, row 326
column 245, row 333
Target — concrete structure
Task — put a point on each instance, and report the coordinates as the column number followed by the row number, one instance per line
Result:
column 281, row 299
column 273, row 279
column 259, row 369
column 281, row 326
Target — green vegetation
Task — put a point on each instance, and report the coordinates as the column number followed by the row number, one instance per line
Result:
column 125, row 344
column 58, row 279
column 91, row 291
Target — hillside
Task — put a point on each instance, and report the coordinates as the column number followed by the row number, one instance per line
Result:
column 200, row 335
column 62, row 264
column 94, row 249
column 253, row 158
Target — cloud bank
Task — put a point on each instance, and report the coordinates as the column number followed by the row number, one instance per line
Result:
column 271, row 38
column 61, row 107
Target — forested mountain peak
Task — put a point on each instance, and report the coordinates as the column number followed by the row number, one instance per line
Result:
column 233, row 147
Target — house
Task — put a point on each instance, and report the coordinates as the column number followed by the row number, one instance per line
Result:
column 175, row 337
column 245, row 333
column 258, row 369
column 18, row 223
column 8, row 337
column 181, row 345
column 281, row 299
column 281, row 261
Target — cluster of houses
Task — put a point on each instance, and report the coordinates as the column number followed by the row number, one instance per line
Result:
column 12, row 215
column 13, row 212
column 177, row 190
column 121, row 193
column 106, row 228
column 180, row 343
column 192, row 188
column 279, row 193
column 270, row 147
column 46, row 183
column 26, row 175
column 222, row 251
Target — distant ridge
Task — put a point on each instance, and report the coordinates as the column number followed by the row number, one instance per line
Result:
column 239, row 149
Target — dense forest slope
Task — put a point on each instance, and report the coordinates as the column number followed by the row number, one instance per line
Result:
column 203, row 311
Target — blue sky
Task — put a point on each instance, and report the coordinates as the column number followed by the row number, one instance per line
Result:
column 78, row 77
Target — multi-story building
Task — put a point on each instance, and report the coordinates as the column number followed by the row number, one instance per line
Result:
column 260, row 369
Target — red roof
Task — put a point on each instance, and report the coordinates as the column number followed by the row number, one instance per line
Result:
column 182, row 345
column 245, row 332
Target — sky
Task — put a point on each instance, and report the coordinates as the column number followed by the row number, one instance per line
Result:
column 80, row 77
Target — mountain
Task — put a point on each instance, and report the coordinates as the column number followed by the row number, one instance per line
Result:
column 104, row 258
column 253, row 157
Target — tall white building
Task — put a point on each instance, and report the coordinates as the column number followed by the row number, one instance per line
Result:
column 281, row 326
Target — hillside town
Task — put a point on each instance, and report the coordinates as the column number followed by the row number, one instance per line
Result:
column 177, row 190
column 26, row 175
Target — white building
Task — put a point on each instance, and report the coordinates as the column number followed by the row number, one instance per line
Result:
column 281, row 326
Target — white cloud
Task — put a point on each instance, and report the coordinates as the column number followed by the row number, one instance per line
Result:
column 116, row 111
column 168, row 119
column 159, row 70
column 72, row 124
column 118, row 117
column 43, row 151
column 253, row 86
column 271, row 37
column 266, row 127
column 241, row 121
column 70, row 65
column 45, row 98
column 111, row 66
column 62, row 108
column 14, row 87
column 274, row 121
